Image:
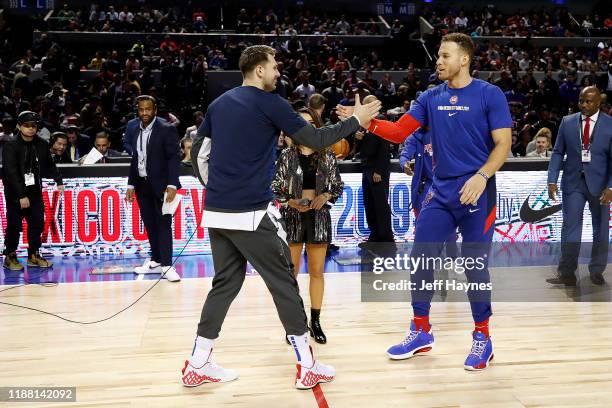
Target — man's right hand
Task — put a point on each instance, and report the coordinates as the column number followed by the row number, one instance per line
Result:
column 408, row 169
column 552, row 191
column 293, row 203
column 365, row 113
column 129, row 195
column 24, row 202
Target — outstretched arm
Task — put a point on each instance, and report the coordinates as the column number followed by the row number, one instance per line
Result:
column 395, row 132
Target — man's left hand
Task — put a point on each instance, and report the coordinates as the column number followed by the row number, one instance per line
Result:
column 472, row 190
column 376, row 178
column 171, row 194
column 606, row 196
column 61, row 188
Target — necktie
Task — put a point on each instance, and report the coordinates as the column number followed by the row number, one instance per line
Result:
column 586, row 135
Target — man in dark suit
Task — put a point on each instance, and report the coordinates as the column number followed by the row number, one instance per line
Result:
column 586, row 139
column 154, row 170
column 376, row 168
column 78, row 143
column 102, row 144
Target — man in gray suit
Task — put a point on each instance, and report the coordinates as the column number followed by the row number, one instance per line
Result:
column 586, row 139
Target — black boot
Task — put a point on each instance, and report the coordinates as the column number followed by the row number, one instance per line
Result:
column 315, row 327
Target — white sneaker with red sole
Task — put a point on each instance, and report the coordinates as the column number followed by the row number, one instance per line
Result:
column 306, row 378
column 208, row 373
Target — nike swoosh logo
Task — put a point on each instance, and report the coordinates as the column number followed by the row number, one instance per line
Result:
column 474, row 210
column 528, row 214
column 453, row 114
column 375, row 127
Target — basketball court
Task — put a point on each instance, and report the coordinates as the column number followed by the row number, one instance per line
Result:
column 547, row 354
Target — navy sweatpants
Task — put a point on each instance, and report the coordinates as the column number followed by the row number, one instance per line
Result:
column 441, row 214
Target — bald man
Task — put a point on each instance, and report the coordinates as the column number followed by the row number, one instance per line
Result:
column 586, row 139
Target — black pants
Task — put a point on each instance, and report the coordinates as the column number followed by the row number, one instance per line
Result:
column 34, row 215
column 158, row 226
column 267, row 250
column 376, row 204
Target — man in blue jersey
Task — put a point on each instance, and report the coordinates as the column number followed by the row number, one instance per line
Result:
column 471, row 138
column 233, row 156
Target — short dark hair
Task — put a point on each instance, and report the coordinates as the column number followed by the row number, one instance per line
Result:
column 316, row 101
column 464, row 42
column 57, row 135
column 146, row 98
column 102, row 135
column 253, row 56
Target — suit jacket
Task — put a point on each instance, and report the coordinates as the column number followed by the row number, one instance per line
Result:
column 83, row 145
column 374, row 154
column 163, row 156
column 598, row 173
column 63, row 159
column 130, row 128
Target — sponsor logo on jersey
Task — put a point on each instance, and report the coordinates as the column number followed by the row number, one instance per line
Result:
column 453, row 108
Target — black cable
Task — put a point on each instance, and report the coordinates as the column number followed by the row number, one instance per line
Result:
column 14, row 287
column 30, row 281
column 106, row 318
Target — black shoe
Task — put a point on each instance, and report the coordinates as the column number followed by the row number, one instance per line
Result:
column 567, row 280
column 597, row 279
column 317, row 332
column 332, row 248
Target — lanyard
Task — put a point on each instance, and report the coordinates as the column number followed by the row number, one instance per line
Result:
column 140, row 137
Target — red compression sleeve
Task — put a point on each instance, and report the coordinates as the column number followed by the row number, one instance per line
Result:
column 395, row 132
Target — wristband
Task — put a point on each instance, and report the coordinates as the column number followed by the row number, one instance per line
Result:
column 483, row 174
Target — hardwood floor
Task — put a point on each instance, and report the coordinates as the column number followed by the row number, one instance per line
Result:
column 546, row 354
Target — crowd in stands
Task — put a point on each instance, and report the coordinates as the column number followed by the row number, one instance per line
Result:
column 188, row 19
column 185, row 18
column 544, row 22
column 325, row 66
column 308, row 21
column 146, row 19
